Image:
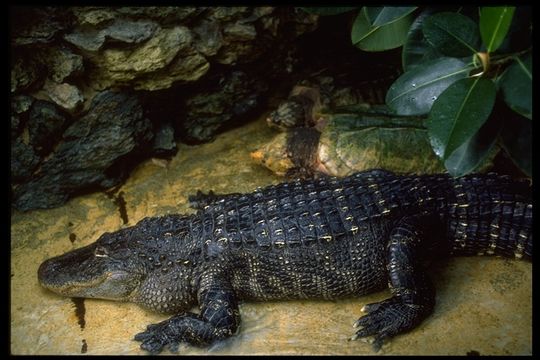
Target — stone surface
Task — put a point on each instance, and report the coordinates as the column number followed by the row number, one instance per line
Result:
column 188, row 67
column 65, row 95
column 131, row 31
column 97, row 150
column 122, row 66
column 68, row 54
column 234, row 95
column 35, row 25
column 164, row 144
column 484, row 305
column 19, row 113
column 45, row 126
column 88, row 39
column 94, row 15
column 122, row 30
column 166, row 14
column 63, row 64
column 26, row 74
column 24, row 160
column 208, row 37
column 21, row 103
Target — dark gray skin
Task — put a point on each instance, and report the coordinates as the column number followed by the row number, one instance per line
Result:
column 328, row 238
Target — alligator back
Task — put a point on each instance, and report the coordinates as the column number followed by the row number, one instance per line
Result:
column 327, row 238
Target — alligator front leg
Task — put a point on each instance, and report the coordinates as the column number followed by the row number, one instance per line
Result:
column 219, row 318
column 413, row 294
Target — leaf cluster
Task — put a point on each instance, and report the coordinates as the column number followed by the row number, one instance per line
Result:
column 459, row 65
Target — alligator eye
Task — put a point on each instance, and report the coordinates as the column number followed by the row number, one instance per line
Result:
column 100, row 252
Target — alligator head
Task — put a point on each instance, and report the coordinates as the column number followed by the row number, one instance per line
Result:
column 123, row 266
column 99, row 270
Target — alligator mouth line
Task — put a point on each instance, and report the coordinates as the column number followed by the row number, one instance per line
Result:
column 72, row 287
column 75, row 286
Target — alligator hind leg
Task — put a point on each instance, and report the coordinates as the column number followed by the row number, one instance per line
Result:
column 219, row 318
column 413, row 294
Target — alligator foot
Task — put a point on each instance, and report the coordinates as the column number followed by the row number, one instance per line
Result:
column 170, row 333
column 388, row 318
column 219, row 319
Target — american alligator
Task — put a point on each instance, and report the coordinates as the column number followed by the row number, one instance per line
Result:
column 327, row 238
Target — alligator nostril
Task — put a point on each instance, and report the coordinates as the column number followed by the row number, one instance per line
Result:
column 46, row 271
column 44, row 268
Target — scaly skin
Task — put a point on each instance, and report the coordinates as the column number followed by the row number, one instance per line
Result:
column 328, row 238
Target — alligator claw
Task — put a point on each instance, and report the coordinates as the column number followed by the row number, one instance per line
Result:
column 149, row 342
column 157, row 336
column 388, row 318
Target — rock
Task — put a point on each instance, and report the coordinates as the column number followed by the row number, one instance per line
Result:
column 208, row 38
column 20, row 105
column 238, row 45
column 93, row 49
column 188, row 67
column 228, row 13
column 301, row 21
column 63, row 63
column 94, row 15
column 24, row 160
column 123, row 30
column 234, row 95
column 169, row 15
column 129, row 31
column 240, row 32
column 65, row 95
column 154, row 55
column 45, row 126
column 158, row 53
column 96, row 151
column 26, row 74
column 164, row 144
column 87, row 39
column 37, row 25
column 15, row 125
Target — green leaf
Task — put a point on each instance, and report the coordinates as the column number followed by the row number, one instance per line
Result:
column 516, row 85
column 519, row 35
column 452, row 34
column 382, row 15
column 327, row 10
column 379, row 38
column 458, row 114
column 494, row 25
column 516, row 137
column 414, row 92
column 477, row 152
column 416, row 49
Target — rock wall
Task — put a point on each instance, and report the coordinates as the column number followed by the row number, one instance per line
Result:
column 94, row 90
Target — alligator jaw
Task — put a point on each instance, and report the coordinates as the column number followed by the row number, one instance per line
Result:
column 80, row 273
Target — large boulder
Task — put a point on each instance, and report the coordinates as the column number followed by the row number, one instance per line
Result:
column 95, row 152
